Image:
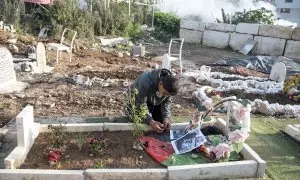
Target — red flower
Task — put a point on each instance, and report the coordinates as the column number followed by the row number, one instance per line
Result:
column 54, row 155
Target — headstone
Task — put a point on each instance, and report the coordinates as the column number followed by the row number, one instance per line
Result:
column 41, row 57
column 1, row 25
column 7, row 72
column 138, row 51
column 278, row 72
column 248, row 46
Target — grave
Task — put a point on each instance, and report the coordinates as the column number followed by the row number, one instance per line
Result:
column 7, row 73
column 278, row 72
column 251, row 166
column 41, row 57
column 8, row 82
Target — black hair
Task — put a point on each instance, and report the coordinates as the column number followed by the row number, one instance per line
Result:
column 170, row 83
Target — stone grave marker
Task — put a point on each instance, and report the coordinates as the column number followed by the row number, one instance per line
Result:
column 138, row 51
column 41, row 57
column 7, row 72
column 278, row 72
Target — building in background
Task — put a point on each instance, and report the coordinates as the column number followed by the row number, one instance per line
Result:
column 288, row 10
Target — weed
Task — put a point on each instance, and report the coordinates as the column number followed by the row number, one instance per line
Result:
column 80, row 139
column 99, row 165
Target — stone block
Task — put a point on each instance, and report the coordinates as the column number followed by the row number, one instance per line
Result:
column 138, row 51
column 247, row 28
column 33, row 174
column 250, row 154
column 126, row 174
column 293, row 131
column 237, row 41
column 292, row 49
column 192, row 25
column 79, row 127
column 269, row 46
column 117, row 126
column 275, row 31
column 220, row 27
column 239, row 169
column 191, row 36
column 26, row 131
column 16, row 158
column 296, row 34
column 215, row 39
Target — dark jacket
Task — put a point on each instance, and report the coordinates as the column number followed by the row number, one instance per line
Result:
column 147, row 86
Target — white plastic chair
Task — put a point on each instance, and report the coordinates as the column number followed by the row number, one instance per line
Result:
column 176, row 57
column 63, row 46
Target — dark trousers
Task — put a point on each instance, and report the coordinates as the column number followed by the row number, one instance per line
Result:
column 156, row 112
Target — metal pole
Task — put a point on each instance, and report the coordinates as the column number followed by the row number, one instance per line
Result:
column 129, row 10
column 153, row 15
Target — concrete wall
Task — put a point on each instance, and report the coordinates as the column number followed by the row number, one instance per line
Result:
column 272, row 40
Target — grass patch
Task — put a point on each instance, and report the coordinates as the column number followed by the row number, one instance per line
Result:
column 280, row 151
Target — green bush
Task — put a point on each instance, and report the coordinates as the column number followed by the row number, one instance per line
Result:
column 168, row 23
column 259, row 16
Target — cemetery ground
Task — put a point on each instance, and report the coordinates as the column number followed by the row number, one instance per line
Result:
column 58, row 94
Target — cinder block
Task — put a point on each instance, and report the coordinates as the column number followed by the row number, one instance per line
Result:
column 191, row 36
column 275, row 31
column 296, row 34
column 269, row 46
column 221, row 27
column 126, row 174
column 192, row 25
column 117, row 126
column 237, row 41
column 247, row 28
column 240, row 169
column 292, row 49
column 215, row 39
column 138, row 51
column 32, row 174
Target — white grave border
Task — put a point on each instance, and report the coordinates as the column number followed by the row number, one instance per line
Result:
column 252, row 166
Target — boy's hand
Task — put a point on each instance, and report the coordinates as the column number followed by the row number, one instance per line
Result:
column 156, row 126
column 167, row 124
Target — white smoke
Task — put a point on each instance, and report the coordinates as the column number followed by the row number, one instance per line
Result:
column 209, row 10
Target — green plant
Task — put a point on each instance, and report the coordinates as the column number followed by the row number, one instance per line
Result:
column 58, row 135
column 99, row 165
column 168, row 23
column 259, row 16
column 12, row 11
column 136, row 115
column 80, row 139
column 97, row 146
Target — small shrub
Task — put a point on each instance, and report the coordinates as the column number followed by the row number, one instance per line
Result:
column 58, row 135
column 136, row 115
column 97, row 146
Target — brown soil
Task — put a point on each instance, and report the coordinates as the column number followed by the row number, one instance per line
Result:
column 119, row 153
